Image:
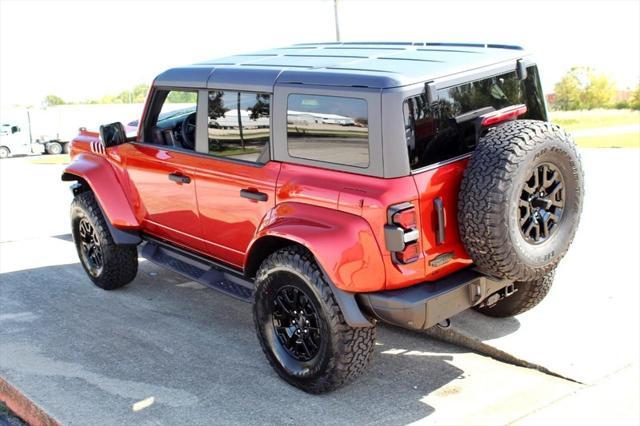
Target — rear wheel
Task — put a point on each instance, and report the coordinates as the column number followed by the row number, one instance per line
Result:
column 4, row 152
column 301, row 328
column 108, row 264
column 54, row 148
column 528, row 294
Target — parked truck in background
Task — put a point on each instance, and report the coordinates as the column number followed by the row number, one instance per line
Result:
column 17, row 140
column 27, row 131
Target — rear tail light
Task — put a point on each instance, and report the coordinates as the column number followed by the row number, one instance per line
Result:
column 405, row 218
column 504, row 114
column 401, row 233
column 410, row 253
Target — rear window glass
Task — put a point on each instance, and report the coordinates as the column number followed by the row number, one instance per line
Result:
column 330, row 129
column 432, row 133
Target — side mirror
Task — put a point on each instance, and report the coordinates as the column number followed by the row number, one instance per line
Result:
column 112, row 134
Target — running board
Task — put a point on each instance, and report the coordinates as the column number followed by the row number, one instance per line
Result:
column 198, row 269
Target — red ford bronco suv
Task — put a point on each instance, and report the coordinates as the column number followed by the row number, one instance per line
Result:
column 334, row 186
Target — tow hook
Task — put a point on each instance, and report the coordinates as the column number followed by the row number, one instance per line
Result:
column 509, row 290
column 446, row 323
column 496, row 297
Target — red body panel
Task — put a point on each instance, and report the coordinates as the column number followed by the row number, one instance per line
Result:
column 229, row 221
column 165, row 208
column 101, row 175
column 370, row 198
column 442, row 182
column 342, row 243
column 338, row 216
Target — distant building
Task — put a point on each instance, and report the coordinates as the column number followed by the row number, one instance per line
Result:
column 299, row 117
column 230, row 120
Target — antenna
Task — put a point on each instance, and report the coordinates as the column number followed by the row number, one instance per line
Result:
column 335, row 13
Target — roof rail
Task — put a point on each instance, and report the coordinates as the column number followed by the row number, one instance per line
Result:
column 416, row 43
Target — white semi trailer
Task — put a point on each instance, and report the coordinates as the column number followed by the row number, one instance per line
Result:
column 49, row 130
column 16, row 138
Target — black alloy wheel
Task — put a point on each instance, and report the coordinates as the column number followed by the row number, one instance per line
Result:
column 90, row 247
column 541, row 203
column 296, row 323
column 301, row 328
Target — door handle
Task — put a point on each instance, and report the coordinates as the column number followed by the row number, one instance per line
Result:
column 439, row 207
column 253, row 195
column 179, row 178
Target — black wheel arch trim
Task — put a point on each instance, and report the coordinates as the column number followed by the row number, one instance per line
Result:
column 351, row 311
column 120, row 236
column 353, row 314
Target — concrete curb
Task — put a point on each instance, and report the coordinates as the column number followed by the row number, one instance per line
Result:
column 459, row 338
column 24, row 408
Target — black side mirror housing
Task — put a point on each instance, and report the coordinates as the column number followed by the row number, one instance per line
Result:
column 113, row 134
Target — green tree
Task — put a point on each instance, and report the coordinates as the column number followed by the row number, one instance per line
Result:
column 634, row 100
column 139, row 93
column 178, row 97
column 52, row 100
column 583, row 88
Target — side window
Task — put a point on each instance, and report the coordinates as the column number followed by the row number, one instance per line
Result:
column 432, row 133
column 175, row 124
column 328, row 128
column 239, row 125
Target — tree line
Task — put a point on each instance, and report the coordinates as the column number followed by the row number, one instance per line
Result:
column 580, row 88
column 585, row 88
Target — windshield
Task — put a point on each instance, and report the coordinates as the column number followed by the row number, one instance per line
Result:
column 176, row 113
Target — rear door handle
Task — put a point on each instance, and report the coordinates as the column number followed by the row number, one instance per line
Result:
column 179, row 178
column 439, row 207
column 253, row 195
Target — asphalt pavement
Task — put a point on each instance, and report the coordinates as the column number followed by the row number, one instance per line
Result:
column 164, row 350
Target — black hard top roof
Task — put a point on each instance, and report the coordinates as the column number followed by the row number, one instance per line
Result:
column 361, row 64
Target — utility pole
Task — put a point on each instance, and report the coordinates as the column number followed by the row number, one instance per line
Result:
column 335, row 13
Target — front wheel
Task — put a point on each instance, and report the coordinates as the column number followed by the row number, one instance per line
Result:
column 4, row 152
column 108, row 264
column 301, row 328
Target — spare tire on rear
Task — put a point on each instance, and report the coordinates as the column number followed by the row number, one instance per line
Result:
column 520, row 199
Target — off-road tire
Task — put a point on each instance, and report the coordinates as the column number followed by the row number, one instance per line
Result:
column 120, row 262
column 346, row 352
column 54, row 148
column 528, row 294
column 490, row 192
column 4, row 152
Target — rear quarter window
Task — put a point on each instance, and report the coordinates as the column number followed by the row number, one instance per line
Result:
column 431, row 131
column 329, row 129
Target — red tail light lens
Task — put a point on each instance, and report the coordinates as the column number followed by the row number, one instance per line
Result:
column 503, row 114
column 405, row 218
column 401, row 233
column 410, row 253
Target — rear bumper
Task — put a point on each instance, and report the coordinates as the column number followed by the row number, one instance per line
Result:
column 422, row 306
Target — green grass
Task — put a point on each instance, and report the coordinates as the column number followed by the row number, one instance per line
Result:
column 52, row 159
column 620, row 140
column 597, row 118
column 229, row 152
